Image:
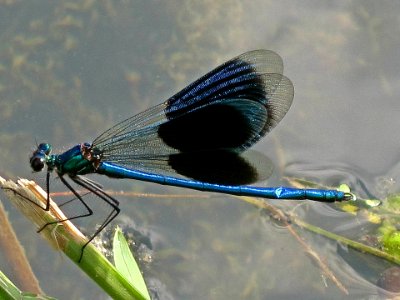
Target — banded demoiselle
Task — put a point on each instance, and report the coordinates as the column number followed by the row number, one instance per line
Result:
column 193, row 140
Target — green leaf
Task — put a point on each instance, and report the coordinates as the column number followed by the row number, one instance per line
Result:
column 9, row 291
column 344, row 188
column 66, row 238
column 126, row 264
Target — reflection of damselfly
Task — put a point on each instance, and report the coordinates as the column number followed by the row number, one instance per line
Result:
column 192, row 140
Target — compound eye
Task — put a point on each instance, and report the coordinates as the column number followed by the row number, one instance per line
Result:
column 37, row 164
column 44, row 148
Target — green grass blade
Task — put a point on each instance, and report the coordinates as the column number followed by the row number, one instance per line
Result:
column 126, row 264
column 30, row 199
column 8, row 291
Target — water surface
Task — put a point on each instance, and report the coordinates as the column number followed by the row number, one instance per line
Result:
column 69, row 70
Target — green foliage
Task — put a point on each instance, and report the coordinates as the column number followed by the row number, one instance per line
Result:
column 126, row 264
column 9, row 291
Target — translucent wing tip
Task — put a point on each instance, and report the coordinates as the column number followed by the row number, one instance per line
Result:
column 263, row 61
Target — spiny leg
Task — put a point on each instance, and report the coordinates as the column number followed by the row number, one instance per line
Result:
column 96, row 189
column 89, row 210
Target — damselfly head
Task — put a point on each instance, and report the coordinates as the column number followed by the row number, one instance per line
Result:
column 38, row 158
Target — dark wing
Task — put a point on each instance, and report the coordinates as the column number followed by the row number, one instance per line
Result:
column 225, row 111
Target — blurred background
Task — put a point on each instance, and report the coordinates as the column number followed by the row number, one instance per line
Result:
column 71, row 69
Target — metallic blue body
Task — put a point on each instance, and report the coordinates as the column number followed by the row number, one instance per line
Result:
column 116, row 171
column 193, row 140
column 72, row 162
